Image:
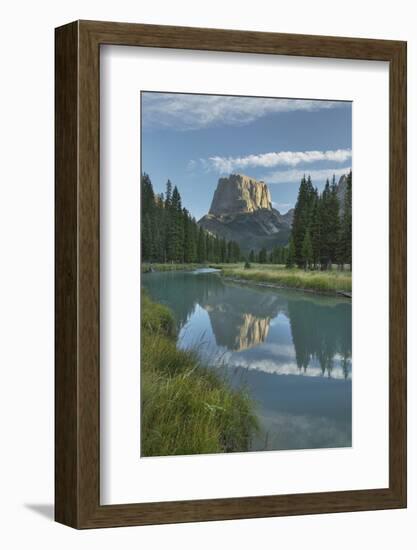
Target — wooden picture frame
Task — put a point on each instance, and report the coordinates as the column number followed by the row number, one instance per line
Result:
column 77, row 372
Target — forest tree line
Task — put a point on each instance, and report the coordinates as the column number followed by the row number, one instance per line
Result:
column 171, row 234
column 322, row 228
column 278, row 255
column 321, row 233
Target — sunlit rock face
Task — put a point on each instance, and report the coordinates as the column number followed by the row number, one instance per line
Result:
column 239, row 193
column 253, row 331
column 246, row 332
column 241, row 211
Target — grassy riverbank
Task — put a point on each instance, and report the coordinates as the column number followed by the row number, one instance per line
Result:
column 186, row 408
column 320, row 281
column 330, row 281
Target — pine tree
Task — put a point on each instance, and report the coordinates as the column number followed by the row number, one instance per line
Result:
column 291, row 254
column 229, row 252
column 168, row 194
column 176, row 227
column 147, row 195
column 302, row 216
column 233, row 252
column 201, row 247
column 148, row 205
column 252, row 256
column 307, row 250
column 223, row 251
column 345, row 241
column 216, row 250
column 147, row 244
column 334, row 222
column 262, row 256
column 325, row 224
column 190, row 244
column 315, row 230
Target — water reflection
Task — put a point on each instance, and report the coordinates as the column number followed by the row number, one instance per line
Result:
column 238, row 320
column 290, row 349
column 242, row 317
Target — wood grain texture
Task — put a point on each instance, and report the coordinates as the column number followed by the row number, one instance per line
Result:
column 66, row 237
column 78, row 285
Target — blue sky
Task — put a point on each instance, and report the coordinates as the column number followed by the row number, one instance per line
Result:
column 194, row 139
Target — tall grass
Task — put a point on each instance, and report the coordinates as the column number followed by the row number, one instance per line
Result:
column 323, row 281
column 186, row 408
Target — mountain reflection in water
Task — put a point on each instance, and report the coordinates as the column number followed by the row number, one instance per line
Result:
column 255, row 336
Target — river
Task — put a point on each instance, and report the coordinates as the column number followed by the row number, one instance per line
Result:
column 291, row 350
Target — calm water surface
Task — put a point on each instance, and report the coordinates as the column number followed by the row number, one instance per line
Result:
column 291, row 350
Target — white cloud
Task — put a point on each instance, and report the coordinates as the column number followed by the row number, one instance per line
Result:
column 194, row 111
column 283, row 367
column 225, row 165
column 294, row 176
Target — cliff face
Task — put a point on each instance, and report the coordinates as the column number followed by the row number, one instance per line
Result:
column 240, row 194
column 241, row 210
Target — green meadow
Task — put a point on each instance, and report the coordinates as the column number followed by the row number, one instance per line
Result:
column 321, row 281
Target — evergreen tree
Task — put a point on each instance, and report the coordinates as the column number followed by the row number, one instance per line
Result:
column 148, row 205
column 262, row 256
column 252, row 256
column 330, row 234
column 334, row 222
column 307, row 250
column 223, row 251
column 315, row 230
column 216, row 250
column 302, row 216
column 229, row 252
column 284, row 255
column 168, row 194
column 190, row 252
column 325, row 227
column 345, row 241
column 234, row 251
column 209, row 247
column 201, row 247
column 291, row 254
column 147, row 241
column 147, row 195
column 176, row 228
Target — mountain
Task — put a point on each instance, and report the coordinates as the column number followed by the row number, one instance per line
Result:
column 241, row 210
column 240, row 194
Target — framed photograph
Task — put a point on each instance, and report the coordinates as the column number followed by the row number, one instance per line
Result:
column 230, row 274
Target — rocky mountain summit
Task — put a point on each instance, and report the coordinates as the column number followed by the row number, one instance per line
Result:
column 240, row 194
column 241, row 210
